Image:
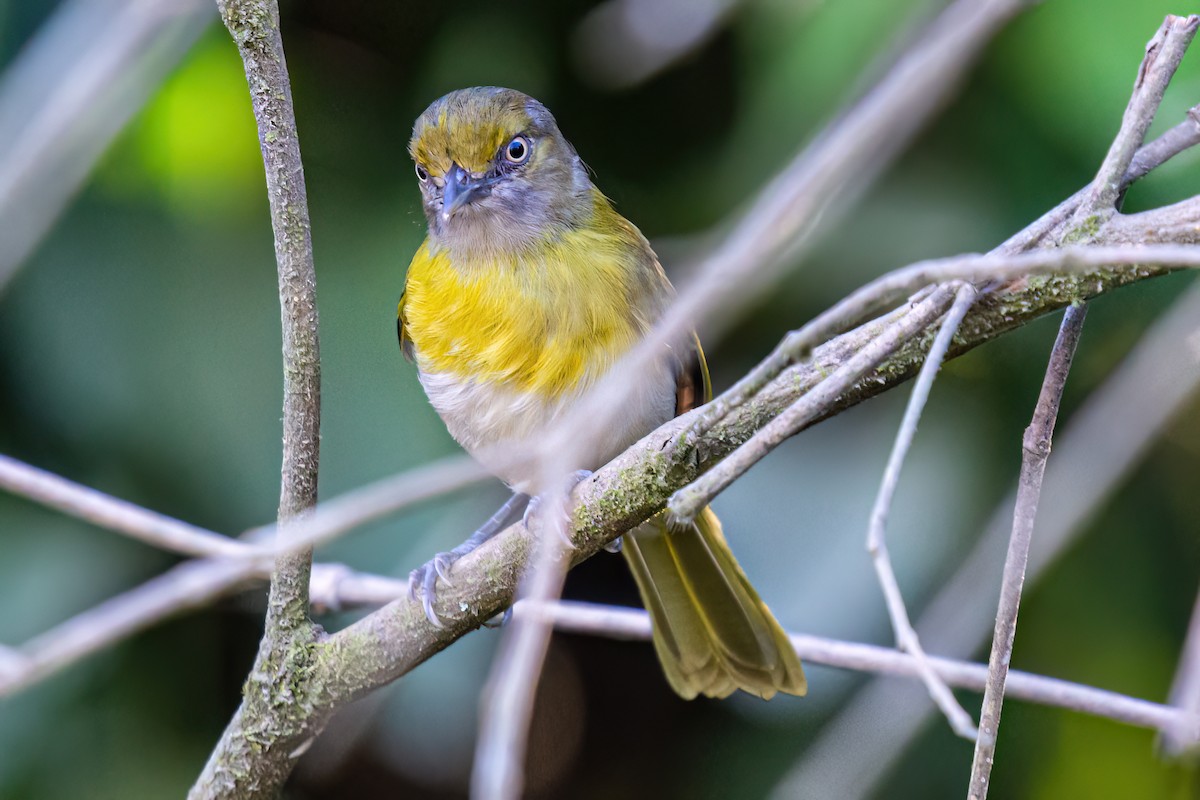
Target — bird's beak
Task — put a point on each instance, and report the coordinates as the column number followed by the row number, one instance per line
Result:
column 461, row 189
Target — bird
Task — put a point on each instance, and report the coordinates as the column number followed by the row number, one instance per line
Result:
column 527, row 289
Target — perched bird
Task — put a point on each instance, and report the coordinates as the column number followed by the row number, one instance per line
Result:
column 528, row 288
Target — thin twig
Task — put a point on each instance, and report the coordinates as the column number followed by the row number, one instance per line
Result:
column 357, row 507
column 1183, row 136
column 688, row 501
column 107, row 511
column 618, row 622
column 1104, row 441
column 1178, row 738
column 1029, row 489
column 193, row 584
column 187, row 586
column 633, row 624
column 798, row 345
column 906, row 637
column 1163, row 54
column 255, row 28
column 1100, row 203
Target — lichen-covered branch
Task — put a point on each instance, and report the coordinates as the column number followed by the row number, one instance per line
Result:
column 256, row 752
column 637, row 484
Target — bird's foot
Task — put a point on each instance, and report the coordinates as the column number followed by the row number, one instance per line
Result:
column 423, row 580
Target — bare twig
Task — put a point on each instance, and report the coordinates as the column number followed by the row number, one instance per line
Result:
column 906, row 637
column 1182, row 136
column 627, row 623
column 1029, row 490
column 193, row 584
column 109, row 512
column 1178, row 738
column 1149, row 157
column 329, row 520
column 687, row 502
column 799, row 344
column 618, row 622
column 188, row 586
column 254, row 25
column 348, row 511
column 1163, row 54
column 1098, row 205
column 345, row 588
column 1104, row 441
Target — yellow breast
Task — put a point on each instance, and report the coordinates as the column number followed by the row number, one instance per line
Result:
column 546, row 321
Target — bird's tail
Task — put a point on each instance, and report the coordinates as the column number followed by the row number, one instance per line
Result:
column 712, row 632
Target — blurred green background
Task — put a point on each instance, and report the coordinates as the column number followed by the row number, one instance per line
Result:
column 139, row 354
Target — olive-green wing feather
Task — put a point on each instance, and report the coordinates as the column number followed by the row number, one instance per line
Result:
column 406, row 345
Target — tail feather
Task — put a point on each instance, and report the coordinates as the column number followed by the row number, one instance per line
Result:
column 712, row 632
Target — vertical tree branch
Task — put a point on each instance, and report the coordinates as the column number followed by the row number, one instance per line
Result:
column 254, row 25
column 255, row 754
column 1029, row 489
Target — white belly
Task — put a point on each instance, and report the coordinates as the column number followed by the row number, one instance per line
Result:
column 500, row 420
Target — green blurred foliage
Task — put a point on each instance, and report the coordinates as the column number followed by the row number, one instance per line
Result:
column 139, row 355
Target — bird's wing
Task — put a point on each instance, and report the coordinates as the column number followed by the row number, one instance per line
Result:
column 406, row 344
column 693, row 385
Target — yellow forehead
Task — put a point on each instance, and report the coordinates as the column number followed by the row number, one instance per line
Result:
column 468, row 127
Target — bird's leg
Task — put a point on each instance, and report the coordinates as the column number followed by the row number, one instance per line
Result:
column 425, row 577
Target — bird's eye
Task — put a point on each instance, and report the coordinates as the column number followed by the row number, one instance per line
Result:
column 422, row 174
column 517, row 151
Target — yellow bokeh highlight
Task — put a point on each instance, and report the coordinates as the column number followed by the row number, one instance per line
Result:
column 195, row 144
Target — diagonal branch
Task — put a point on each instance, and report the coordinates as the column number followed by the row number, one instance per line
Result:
column 996, row 312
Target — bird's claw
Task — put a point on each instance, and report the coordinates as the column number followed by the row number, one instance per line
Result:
column 441, row 565
column 425, row 578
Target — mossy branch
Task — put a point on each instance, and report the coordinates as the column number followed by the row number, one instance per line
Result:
column 255, row 754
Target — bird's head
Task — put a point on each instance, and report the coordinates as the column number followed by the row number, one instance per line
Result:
column 495, row 172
